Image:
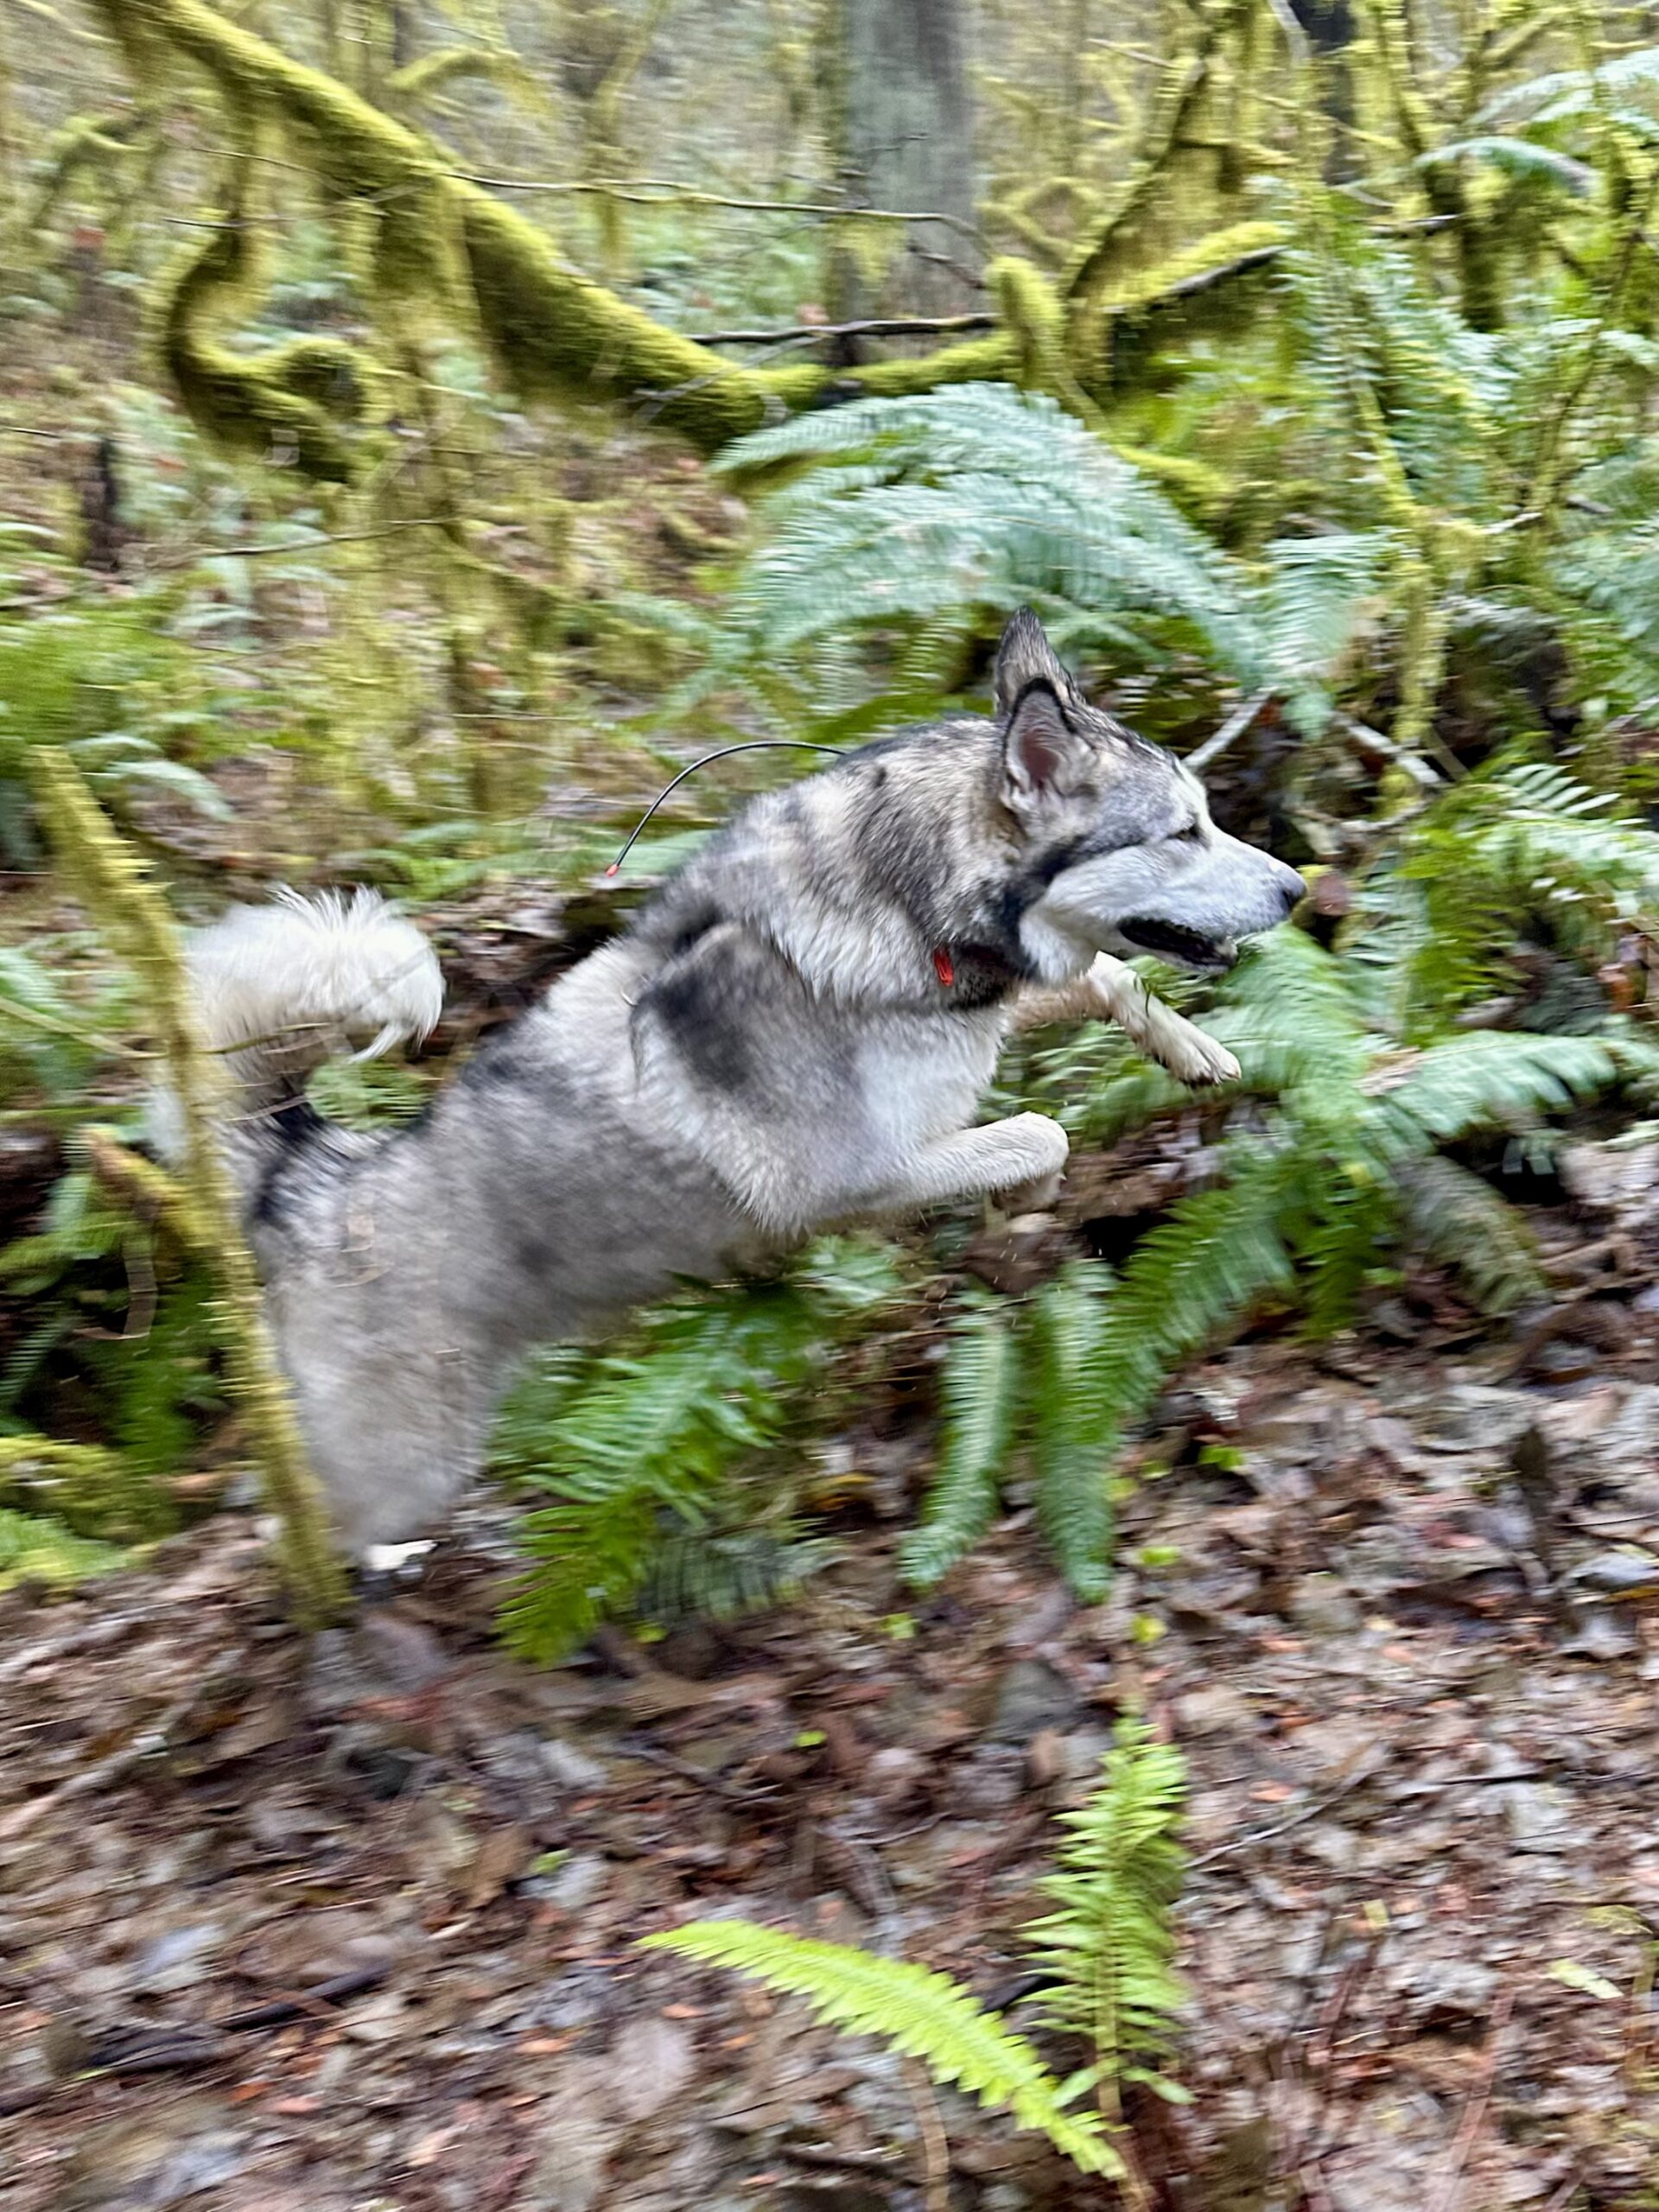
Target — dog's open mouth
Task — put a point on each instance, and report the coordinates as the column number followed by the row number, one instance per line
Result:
column 1171, row 941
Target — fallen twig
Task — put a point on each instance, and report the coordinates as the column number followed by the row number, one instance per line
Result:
column 137, row 1748
column 1475, row 2111
column 936, row 2148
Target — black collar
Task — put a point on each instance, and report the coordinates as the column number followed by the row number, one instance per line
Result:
column 975, row 974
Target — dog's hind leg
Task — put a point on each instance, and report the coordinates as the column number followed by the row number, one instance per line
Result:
column 1019, row 1162
column 1111, row 991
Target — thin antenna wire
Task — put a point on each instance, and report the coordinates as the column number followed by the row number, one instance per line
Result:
column 752, row 744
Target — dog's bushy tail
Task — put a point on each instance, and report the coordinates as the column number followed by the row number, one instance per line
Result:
column 280, row 988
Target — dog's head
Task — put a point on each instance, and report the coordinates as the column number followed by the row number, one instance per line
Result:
column 1119, row 830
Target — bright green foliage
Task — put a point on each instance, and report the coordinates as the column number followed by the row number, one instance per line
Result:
column 35, row 1550
column 1324, row 1188
column 944, row 511
column 1106, row 1953
column 922, row 2014
column 1324, row 1191
column 646, row 1451
column 1107, row 1947
column 118, row 1329
column 152, row 1387
column 978, row 1402
column 110, row 684
column 1023, row 1377
column 1074, row 1501
column 1523, row 842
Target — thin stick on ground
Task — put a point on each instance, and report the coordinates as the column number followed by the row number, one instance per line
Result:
column 1475, row 2111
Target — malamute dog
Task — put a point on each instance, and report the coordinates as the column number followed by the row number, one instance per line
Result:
column 795, row 1032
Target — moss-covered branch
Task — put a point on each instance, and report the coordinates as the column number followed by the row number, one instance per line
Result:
column 293, row 400
column 554, row 331
column 113, row 884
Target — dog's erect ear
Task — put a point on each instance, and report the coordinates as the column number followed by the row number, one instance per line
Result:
column 1024, row 655
column 1044, row 757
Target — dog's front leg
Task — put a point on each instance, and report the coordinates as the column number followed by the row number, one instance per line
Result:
column 1112, row 991
column 1019, row 1162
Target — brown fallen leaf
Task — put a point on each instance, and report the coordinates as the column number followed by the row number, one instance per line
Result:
column 503, row 1855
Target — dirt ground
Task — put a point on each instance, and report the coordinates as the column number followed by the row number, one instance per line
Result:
column 291, row 1927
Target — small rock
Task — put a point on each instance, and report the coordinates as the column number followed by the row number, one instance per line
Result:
column 1047, row 1759
column 1539, row 1818
column 1619, row 1573
column 160, row 2159
column 1320, row 1605
column 1331, row 1846
column 577, row 1882
column 403, row 1655
column 576, row 1769
column 1620, row 1176
column 178, row 1959
column 1460, row 1987
column 895, row 1774
column 1032, row 1695
column 653, row 2061
column 1214, row 1709
column 990, row 1782
column 1603, row 1636
column 576, row 2136
column 1561, row 1361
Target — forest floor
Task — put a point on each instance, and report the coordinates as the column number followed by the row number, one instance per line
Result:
column 350, row 1922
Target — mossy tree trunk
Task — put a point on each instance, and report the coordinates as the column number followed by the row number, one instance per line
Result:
column 904, row 125
column 113, row 886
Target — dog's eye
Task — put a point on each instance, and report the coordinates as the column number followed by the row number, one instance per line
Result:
column 1192, row 834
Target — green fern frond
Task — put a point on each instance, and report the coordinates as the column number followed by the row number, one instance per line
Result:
column 1453, row 1218
column 1219, row 1254
column 1483, row 1080
column 1070, row 1445
column 589, row 1565
column 1107, row 1950
column 721, row 1575
column 921, row 2014
column 982, row 497
column 645, row 1450
column 978, row 1396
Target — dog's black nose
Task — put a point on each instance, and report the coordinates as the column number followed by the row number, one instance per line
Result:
column 1291, row 889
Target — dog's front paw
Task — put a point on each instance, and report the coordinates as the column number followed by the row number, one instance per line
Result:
column 1043, row 1148
column 1199, row 1060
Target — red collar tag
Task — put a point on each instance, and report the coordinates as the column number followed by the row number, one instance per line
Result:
column 942, row 967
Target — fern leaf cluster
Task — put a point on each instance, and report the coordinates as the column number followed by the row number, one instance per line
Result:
column 1105, row 1952
column 1106, row 1948
column 978, row 1402
column 646, row 1451
column 922, row 2014
column 932, row 513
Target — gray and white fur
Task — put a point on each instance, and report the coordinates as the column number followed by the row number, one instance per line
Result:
column 795, row 1032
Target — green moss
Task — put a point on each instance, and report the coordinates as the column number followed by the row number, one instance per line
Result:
column 35, row 1550
column 1194, row 271
column 554, row 332
column 123, row 898
column 1034, row 319
column 294, row 398
column 450, row 64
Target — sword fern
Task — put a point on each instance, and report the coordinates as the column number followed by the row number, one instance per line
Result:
column 645, row 1454
column 1105, row 1954
column 922, row 2014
